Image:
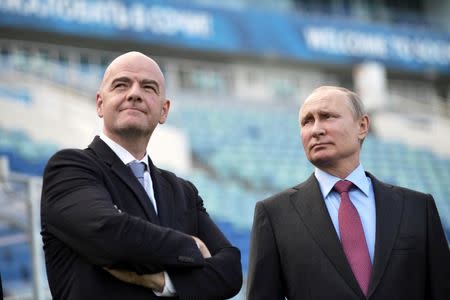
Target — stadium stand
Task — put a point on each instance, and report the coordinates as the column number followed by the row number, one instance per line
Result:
column 24, row 155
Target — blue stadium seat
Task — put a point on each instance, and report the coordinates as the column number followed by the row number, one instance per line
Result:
column 24, row 154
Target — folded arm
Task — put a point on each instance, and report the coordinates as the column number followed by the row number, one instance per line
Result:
column 79, row 211
column 220, row 277
column 157, row 281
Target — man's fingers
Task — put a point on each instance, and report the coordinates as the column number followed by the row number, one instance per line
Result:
column 153, row 281
column 126, row 276
column 202, row 247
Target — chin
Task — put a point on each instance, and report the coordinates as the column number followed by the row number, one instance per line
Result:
column 321, row 160
column 133, row 131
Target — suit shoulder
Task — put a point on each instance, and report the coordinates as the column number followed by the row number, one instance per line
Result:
column 278, row 198
column 171, row 176
column 70, row 157
column 409, row 193
column 412, row 195
column 173, row 179
column 69, row 152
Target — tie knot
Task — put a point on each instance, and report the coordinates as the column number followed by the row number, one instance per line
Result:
column 138, row 168
column 343, row 186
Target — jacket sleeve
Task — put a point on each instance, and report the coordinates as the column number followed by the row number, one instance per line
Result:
column 438, row 255
column 264, row 274
column 77, row 209
column 221, row 276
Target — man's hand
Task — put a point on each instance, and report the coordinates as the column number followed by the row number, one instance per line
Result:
column 152, row 281
column 202, row 247
column 155, row 281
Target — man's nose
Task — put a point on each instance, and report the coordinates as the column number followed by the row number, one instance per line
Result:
column 318, row 129
column 134, row 93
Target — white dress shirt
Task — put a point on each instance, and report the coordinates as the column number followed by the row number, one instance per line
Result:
column 362, row 198
column 126, row 158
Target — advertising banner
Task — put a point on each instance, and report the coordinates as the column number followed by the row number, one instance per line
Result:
column 252, row 32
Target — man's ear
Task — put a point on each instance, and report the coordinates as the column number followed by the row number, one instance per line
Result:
column 164, row 111
column 99, row 104
column 364, row 123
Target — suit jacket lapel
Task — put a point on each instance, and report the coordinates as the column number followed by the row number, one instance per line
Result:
column 389, row 207
column 310, row 205
column 125, row 174
column 163, row 195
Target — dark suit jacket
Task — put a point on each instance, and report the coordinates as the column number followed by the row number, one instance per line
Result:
column 95, row 213
column 296, row 253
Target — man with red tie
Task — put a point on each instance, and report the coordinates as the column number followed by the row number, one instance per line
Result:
column 343, row 234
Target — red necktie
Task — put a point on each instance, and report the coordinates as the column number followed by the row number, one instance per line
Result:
column 352, row 237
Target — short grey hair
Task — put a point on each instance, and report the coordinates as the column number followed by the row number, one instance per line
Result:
column 356, row 104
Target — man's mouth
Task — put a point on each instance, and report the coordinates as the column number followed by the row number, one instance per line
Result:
column 319, row 145
column 132, row 109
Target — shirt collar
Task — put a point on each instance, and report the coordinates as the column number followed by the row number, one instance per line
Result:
column 357, row 176
column 123, row 153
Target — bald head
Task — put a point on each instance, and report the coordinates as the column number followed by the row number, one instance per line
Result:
column 133, row 61
column 131, row 100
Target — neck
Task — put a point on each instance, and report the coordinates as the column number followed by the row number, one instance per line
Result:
column 136, row 145
column 340, row 171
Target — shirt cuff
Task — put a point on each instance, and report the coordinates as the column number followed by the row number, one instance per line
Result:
column 169, row 289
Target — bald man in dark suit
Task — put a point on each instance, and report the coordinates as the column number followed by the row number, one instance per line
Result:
column 114, row 225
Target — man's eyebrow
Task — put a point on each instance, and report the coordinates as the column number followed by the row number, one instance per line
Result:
column 120, row 79
column 142, row 82
column 307, row 113
column 305, row 116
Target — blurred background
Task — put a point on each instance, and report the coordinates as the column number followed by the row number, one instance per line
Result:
column 237, row 72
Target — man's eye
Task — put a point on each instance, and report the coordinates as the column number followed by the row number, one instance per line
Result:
column 307, row 121
column 150, row 87
column 119, row 85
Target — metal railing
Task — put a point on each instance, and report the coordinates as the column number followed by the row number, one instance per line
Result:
column 20, row 196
